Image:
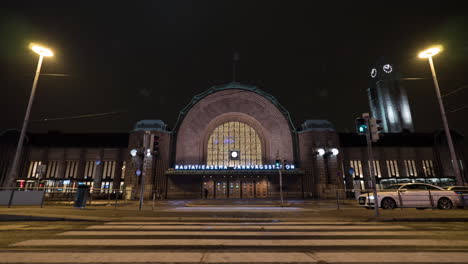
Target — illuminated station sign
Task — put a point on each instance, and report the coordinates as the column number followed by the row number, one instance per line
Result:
column 237, row 167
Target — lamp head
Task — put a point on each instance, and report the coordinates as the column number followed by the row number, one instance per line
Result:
column 335, row 151
column 133, row 152
column 321, row 151
column 42, row 50
column 430, row 52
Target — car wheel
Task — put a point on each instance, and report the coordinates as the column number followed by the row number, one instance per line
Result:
column 388, row 203
column 444, row 204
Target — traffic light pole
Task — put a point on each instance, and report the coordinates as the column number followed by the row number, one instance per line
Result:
column 281, row 185
column 142, row 182
column 371, row 167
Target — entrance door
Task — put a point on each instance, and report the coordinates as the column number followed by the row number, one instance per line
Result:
column 208, row 185
column 221, row 189
column 248, row 189
column 234, row 189
column 261, row 189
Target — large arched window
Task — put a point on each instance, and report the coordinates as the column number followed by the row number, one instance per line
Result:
column 234, row 136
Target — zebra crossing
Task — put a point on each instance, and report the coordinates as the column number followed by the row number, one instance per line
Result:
column 245, row 242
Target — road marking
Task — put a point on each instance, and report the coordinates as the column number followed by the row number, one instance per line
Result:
column 243, row 242
column 10, row 227
column 247, row 227
column 242, row 223
column 238, row 257
column 250, row 233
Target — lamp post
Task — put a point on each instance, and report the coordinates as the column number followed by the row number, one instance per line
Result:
column 43, row 52
column 427, row 54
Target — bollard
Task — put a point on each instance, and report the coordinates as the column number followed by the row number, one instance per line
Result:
column 337, row 200
column 11, row 198
column 430, row 197
column 116, row 199
column 43, row 198
column 401, row 200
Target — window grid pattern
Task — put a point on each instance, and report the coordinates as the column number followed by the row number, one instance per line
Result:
column 357, row 166
column 90, row 169
column 32, row 171
column 52, row 169
column 428, row 168
column 71, row 169
column 108, row 169
column 392, row 168
column 410, row 168
column 234, row 136
column 377, row 170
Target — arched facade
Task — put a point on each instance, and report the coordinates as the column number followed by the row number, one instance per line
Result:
column 233, row 103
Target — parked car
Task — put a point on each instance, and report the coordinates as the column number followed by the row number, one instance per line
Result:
column 457, row 189
column 462, row 191
column 412, row 195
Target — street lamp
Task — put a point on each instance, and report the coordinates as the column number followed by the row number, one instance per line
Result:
column 43, row 52
column 427, row 54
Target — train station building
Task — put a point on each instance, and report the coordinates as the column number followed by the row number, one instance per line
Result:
column 225, row 145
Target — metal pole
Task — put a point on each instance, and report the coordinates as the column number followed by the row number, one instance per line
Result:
column 14, row 167
column 142, row 182
column 371, row 169
column 281, row 186
column 453, row 156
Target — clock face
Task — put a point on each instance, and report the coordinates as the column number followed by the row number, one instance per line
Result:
column 387, row 68
column 373, row 72
column 234, row 154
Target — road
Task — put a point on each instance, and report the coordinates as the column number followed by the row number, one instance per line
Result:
column 211, row 240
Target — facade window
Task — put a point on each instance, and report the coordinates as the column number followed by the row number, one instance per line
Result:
column 377, row 170
column 410, row 168
column 357, row 166
column 71, row 168
column 33, row 169
column 234, row 136
column 90, row 169
column 392, row 167
column 428, row 168
column 52, row 169
column 122, row 176
column 108, row 171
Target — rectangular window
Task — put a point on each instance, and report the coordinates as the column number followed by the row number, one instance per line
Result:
column 71, row 168
column 90, row 169
column 410, row 168
column 428, row 168
column 123, row 170
column 357, row 166
column 108, row 171
column 33, row 169
column 377, row 171
column 52, row 169
column 392, row 167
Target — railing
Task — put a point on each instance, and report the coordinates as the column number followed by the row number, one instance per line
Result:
column 404, row 198
column 43, row 196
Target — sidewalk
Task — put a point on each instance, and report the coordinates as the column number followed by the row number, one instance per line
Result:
column 202, row 210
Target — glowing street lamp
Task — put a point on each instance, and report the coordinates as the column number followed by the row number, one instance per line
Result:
column 43, row 52
column 427, row 54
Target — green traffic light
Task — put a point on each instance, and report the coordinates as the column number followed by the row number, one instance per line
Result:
column 362, row 129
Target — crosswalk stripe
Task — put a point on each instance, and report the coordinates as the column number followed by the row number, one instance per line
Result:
column 247, row 227
column 243, row 242
column 243, row 223
column 250, row 233
column 237, row 257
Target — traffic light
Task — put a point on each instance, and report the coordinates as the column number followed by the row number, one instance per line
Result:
column 375, row 128
column 361, row 126
column 155, row 144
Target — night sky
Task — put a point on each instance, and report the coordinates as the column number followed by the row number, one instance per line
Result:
column 147, row 59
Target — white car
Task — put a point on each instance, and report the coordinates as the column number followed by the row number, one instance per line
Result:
column 412, row 195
